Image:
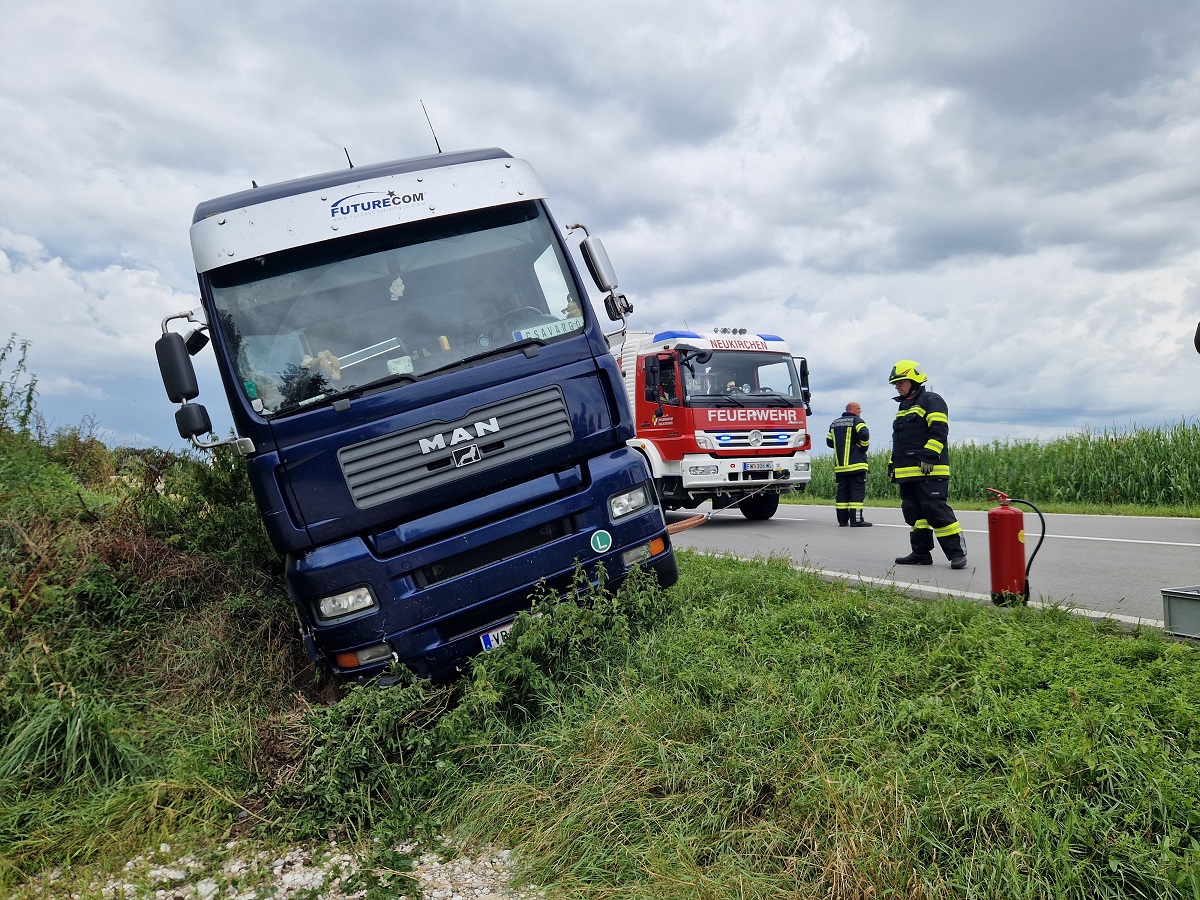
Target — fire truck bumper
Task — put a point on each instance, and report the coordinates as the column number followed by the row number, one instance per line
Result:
column 709, row 473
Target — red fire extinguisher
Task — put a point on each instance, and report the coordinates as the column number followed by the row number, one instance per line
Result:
column 1006, row 546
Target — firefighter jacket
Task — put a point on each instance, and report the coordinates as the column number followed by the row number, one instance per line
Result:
column 920, row 433
column 850, row 440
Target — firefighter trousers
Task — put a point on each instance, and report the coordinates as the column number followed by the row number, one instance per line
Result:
column 923, row 503
column 851, row 492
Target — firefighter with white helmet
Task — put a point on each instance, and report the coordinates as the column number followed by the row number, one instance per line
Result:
column 920, row 466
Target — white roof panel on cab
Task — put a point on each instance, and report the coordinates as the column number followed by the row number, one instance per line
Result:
column 354, row 207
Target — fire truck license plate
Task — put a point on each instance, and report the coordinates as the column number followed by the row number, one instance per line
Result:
column 757, row 466
column 497, row 636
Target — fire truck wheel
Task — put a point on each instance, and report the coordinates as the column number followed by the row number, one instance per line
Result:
column 760, row 506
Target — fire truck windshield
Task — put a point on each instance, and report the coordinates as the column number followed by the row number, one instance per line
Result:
column 743, row 377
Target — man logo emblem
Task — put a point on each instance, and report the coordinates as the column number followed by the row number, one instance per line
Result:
column 601, row 541
column 467, row 455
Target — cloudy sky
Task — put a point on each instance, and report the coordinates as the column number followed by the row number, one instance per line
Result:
column 1008, row 193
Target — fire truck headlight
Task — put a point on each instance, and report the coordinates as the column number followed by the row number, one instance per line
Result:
column 705, row 443
column 803, row 467
column 703, row 470
column 345, row 603
column 626, row 502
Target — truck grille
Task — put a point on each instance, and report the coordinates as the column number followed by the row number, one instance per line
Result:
column 419, row 459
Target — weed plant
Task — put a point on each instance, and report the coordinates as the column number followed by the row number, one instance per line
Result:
column 754, row 732
column 780, row 737
column 146, row 645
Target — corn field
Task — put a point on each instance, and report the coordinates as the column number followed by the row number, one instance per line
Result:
column 1143, row 467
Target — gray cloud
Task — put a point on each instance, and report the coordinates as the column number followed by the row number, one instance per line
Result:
column 1006, row 193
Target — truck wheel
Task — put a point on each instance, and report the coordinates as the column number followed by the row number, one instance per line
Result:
column 759, row 507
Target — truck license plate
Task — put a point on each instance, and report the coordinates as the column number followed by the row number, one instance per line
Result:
column 757, row 466
column 497, row 636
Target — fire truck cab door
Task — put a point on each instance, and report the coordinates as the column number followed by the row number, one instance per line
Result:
column 660, row 412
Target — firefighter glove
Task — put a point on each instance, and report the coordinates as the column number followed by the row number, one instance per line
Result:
column 925, row 467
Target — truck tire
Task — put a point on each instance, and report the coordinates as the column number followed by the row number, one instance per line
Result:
column 759, row 507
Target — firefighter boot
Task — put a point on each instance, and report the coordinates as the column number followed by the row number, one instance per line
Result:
column 857, row 520
column 843, row 518
column 921, row 541
column 955, row 548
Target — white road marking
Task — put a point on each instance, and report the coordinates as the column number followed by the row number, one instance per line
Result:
column 935, row 591
column 1062, row 537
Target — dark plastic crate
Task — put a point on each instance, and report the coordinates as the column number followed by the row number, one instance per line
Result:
column 1181, row 611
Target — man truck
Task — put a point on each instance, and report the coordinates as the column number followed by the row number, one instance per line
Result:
column 720, row 416
column 431, row 418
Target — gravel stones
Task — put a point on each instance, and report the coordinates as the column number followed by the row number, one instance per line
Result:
column 326, row 870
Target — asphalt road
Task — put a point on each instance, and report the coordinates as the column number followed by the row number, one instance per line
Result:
column 1116, row 566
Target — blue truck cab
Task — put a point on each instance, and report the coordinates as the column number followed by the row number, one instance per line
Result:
column 432, row 420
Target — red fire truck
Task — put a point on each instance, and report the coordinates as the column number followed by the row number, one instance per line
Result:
column 720, row 416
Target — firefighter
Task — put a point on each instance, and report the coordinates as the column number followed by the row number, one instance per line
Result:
column 920, row 466
column 850, row 440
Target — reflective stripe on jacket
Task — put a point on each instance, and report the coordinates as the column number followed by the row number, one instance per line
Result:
column 920, row 433
column 850, row 440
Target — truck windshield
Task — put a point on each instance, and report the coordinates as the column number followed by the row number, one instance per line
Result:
column 392, row 305
column 742, row 378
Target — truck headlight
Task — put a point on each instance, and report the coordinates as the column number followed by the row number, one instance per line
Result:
column 345, row 603
column 704, row 442
column 627, row 502
column 803, row 467
column 703, row 470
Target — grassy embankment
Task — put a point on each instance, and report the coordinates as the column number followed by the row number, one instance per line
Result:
column 754, row 732
column 1138, row 472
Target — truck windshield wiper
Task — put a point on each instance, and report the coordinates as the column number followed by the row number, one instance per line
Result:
column 773, row 396
column 370, row 386
column 728, row 399
column 334, row 394
column 522, row 345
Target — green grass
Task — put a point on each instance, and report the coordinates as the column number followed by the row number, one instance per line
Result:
column 776, row 736
column 754, row 732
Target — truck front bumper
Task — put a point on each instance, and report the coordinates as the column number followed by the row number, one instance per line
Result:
column 437, row 590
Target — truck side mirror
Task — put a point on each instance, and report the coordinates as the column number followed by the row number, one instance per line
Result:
column 617, row 306
column 652, row 380
column 598, row 263
column 192, row 421
column 175, row 353
column 175, row 366
column 195, row 341
column 805, row 393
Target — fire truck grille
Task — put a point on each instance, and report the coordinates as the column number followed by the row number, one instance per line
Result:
column 740, row 440
column 406, row 462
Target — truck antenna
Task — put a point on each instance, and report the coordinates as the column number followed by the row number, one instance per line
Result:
column 431, row 131
column 347, row 152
